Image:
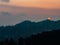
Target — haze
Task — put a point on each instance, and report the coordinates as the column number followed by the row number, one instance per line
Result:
column 15, row 11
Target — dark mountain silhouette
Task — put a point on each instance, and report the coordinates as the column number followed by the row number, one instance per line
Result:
column 27, row 28
column 44, row 38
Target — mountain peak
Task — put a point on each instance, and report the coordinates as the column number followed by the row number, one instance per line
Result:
column 24, row 22
column 47, row 21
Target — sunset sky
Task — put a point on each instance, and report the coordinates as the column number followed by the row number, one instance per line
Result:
column 33, row 3
column 15, row 11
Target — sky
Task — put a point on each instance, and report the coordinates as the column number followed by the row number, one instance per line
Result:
column 33, row 3
column 15, row 11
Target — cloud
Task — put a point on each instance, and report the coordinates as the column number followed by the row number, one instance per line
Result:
column 5, row 13
column 4, row 0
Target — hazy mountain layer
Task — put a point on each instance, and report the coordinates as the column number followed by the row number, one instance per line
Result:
column 28, row 28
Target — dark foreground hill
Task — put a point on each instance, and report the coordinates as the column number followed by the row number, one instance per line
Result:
column 27, row 28
column 44, row 38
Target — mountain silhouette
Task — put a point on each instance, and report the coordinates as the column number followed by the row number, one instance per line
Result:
column 27, row 28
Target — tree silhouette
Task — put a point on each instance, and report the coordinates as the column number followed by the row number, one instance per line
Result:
column 44, row 38
column 21, row 41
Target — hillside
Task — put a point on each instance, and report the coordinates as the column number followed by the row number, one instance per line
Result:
column 27, row 28
column 44, row 38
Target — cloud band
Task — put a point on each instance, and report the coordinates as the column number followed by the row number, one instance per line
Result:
column 4, row 0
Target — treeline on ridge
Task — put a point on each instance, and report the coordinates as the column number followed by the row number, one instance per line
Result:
column 48, row 38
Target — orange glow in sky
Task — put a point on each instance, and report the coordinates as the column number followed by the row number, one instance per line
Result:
column 35, row 3
column 49, row 18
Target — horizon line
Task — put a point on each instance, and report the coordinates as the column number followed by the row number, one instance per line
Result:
column 29, row 21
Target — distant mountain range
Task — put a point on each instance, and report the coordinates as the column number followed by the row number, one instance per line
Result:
column 27, row 28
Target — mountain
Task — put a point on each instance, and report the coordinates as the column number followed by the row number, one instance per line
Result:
column 27, row 28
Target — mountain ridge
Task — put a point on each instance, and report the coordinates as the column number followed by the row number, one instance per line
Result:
column 27, row 28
